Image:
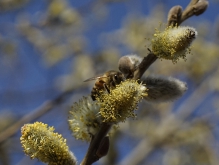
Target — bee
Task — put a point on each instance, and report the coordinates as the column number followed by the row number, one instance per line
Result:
column 107, row 81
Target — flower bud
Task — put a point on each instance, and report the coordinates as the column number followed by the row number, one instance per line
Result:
column 103, row 148
column 128, row 63
column 200, row 7
column 164, row 89
column 174, row 15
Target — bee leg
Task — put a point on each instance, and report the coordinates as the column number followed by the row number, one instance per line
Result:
column 93, row 97
column 105, row 86
column 94, row 94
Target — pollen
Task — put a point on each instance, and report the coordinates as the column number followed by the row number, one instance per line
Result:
column 41, row 142
column 173, row 43
column 121, row 102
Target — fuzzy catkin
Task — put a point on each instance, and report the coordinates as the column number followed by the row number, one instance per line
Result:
column 83, row 119
column 163, row 88
column 39, row 141
column 173, row 43
column 122, row 101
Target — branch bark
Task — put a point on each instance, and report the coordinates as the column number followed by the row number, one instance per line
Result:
column 91, row 156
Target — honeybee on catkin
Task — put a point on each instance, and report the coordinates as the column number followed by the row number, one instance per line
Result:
column 107, row 81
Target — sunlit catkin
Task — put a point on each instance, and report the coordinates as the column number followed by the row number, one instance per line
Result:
column 39, row 141
column 173, row 43
column 121, row 102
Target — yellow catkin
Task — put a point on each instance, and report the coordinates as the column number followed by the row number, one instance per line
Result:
column 121, row 102
column 173, row 43
column 86, row 116
column 39, row 141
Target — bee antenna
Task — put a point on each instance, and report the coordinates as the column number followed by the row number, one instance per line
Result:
column 149, row 50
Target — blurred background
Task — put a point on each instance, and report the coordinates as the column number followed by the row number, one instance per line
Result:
column 49, row 47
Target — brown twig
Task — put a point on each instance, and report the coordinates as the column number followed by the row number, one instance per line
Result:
column 91, row 156
column 144, row 65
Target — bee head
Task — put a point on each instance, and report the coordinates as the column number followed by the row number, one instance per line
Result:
column 118, row 77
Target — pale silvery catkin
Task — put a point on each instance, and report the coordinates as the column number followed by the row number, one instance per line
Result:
column 163, row 88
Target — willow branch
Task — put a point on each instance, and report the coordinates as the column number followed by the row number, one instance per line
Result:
column 144, row 65
column 91, row 156
column 175, row 17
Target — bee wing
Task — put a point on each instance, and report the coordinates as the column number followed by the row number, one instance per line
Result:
column 94, row 78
